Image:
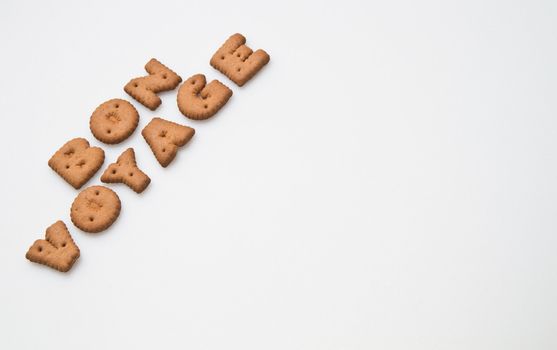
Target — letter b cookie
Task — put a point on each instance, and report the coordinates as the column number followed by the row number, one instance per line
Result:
column 76, row 162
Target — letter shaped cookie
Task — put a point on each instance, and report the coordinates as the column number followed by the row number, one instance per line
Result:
column 58, row 250
column 114, row 121
column 237, row 61
column 76, row 162
column 95, row 209
column 199, row 101
column 164, row 138
column 125, row 171
column 145, row 89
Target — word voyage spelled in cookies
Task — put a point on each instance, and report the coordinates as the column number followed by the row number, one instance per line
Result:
column 96, row 208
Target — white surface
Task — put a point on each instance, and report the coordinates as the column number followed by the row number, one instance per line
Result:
column 388, row 181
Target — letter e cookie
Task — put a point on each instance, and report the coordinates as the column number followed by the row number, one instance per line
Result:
column 237, row 61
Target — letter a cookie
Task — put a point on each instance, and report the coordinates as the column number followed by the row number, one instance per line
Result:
column 125, row 171
column 237, row 61
column 199, row 101
column 76, row 162
column 164, row 138
column 57, row 250
column 145, row 89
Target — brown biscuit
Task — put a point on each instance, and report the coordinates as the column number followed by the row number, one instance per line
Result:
column 164, row 138
column 114, row 121
column 125, row 171
column 95, row 209
column 237, row 61
column 58, row 250
column 199, row 101
column 145, row 89
column 76, row 162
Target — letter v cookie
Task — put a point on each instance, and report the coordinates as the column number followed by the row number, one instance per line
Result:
column 145, row 89
column 237, row 61
column 164, row 138
column 57, row 250
column 76, row 162
column 199, row 101
column 125, row 171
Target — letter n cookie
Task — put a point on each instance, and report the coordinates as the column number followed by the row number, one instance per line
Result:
column 57, row 250
column 237, row 61
column 165, row 137
column 198, row 101
column 145, row 89
column 76, row 162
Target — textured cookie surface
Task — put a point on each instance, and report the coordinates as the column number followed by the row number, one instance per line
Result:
column 114, row 121
column 57, row 250
column 237, row 61
column 95, row 209
column 125, row 171
column 76, row 162
column 196, row 100
column 165, row 137
column 145, row 89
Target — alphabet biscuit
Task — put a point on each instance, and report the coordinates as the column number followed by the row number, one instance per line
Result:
column 165, row 137
column 57, row 250
column 199, row 101
column 114, row 121
column 76, row 162
column 125, row 171
column 237, row 61
column 145, row 89
column 95, row 209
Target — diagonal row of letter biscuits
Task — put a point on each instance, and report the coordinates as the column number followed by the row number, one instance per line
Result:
column 97, row 207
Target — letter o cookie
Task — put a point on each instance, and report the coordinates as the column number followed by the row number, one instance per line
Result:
column 114, row 121
column 95, row 209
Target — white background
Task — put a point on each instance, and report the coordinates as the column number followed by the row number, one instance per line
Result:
column 388, row 181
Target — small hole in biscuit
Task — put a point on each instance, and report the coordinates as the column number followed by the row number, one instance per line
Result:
column 116, row 105
column 238, row 55
column 222, row 57
column 131, row 174
column 40, row 249
column 113, row 171
column 164, row 76
column 135, row 85
column 63, row 244
column 205, row 106
column 238, row 69
column 96, row 193
column 164, row 150
column 193, row 82
column 67, row 166
column 108, row 131
column 91, row 218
